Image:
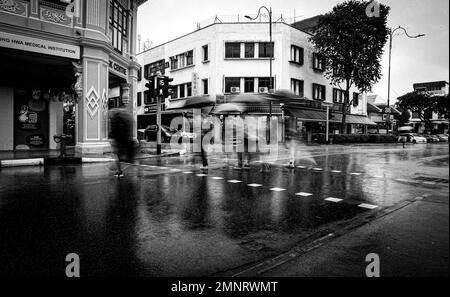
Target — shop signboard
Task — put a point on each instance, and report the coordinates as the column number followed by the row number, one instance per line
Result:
column 39, row 45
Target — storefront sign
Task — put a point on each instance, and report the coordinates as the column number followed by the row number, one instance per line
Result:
column 115, row 67
column 35, row 140
column 194, row 84
column 150, row 108
column 41, row 46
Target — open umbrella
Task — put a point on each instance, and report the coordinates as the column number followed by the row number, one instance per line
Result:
column 227, row 108
column 278, row 96
column 198, row 102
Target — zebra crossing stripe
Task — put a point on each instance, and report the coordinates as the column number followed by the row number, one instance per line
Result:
column 368, row 206
column 217, row 177
column 332, row 199
column 277, row 189
column 254, row 185
column 303, row 194
column 233, row 181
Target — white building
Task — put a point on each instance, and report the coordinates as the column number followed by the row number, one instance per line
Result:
column 233, row 56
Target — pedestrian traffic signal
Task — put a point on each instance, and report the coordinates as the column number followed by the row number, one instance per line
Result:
column 151, row 88
column 160, row 85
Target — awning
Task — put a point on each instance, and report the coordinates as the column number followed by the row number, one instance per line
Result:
column 309, row 115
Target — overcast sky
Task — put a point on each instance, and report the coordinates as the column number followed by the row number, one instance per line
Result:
column 413, row 60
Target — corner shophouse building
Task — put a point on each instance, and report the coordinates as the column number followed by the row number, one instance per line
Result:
column 228, row 55
column 51, row 59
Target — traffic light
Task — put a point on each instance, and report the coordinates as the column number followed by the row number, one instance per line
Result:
column 168, row 89
column 160, row 85
column 151, row 88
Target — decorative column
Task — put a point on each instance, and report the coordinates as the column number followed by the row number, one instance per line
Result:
column 92, row 113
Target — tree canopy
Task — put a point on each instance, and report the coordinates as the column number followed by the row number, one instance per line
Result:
column 352, row 42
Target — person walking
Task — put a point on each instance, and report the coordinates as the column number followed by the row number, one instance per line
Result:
column 121, row 125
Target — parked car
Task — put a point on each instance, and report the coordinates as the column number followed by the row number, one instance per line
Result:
column 442, row 137
column 435, row 138
column 412, row 137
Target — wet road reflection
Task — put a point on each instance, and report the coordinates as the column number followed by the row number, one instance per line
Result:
column 158, row 222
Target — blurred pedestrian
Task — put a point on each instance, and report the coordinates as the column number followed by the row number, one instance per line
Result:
column 121, row 133
column 207, row 126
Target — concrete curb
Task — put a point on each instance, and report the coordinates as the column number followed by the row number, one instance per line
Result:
column 22, row 162
column 42, row 162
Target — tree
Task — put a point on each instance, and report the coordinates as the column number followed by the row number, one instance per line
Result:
column 442, row 106
column 420, row 103
column 351, row 43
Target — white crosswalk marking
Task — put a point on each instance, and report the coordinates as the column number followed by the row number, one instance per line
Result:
column 378, row 176
column 355, row 173
column 301, row 167
column 318, row 169
column 233, row 181
column 217, row 177
column 201, row 175
column 368, row 206
column 336, row 171
column 303, row 194
column 277, row 189
column 332, row 199
column 254, row 185
column 188, row 172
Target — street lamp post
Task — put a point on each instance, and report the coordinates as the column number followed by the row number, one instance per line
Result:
column 269, row 11
column 391, row 34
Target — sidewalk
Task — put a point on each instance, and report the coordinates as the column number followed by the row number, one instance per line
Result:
column 411, row 241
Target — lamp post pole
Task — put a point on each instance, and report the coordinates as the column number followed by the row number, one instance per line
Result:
column 269, row 11
column 391, row 35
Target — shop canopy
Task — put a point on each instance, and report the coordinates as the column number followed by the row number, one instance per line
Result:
column 309, row 115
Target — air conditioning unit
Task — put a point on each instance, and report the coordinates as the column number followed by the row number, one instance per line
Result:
column 235, row 90
column 263, row 90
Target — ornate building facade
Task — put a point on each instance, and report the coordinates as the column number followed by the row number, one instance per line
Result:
column 65, row 63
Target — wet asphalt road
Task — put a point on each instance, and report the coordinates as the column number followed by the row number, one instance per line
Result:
column 168, row 218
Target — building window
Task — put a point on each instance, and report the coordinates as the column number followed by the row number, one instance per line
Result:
column 182, row 60
column 297, row 54
column 264, row 82
column 355, row 99
column 205, row 87
column 232, row 50
column 189, row 58
column 249, row 85
column 189, row 89
column 319, row 92
column 266, row 50
column 175, row 92
column 118, row 26
column 139, row 99
column 297, row 87
column 318, row 62
column 232, row 82
column 249, row 50
column 205, row 53
column 338, row 95
column 182, row 91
